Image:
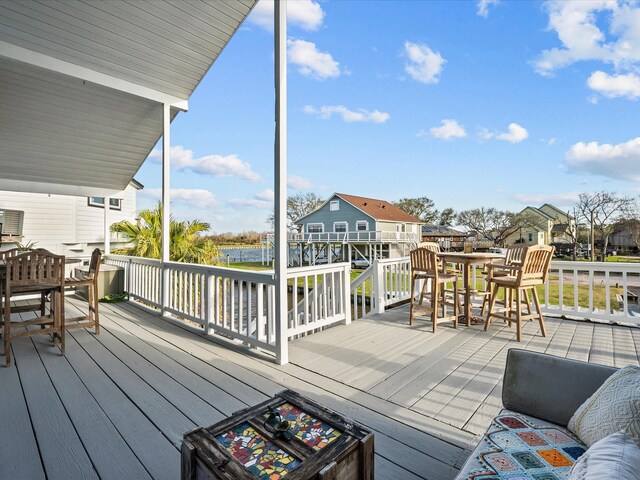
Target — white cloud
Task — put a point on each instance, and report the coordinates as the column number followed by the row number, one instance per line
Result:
column 578, row 25
column 361, row 115
column 310, row 61
column 261, row 200
column 424, row 64
column 265, row 195
column 449, row 129
column 298, row 183
column 305, row 14
column 194, row 197
column 568, row 198
column 621, row 161
column 483, row 7
column 214, row 165
column 516, row 134
column 612, row 86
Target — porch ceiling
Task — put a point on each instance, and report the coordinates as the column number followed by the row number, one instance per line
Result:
column 83, row 85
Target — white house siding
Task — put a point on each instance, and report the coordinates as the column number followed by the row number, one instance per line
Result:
column 64, row 224
column 89, row 220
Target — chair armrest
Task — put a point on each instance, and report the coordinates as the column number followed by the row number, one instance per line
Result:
column 548, row 387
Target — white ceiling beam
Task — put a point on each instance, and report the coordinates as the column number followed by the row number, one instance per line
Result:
column 19, row 54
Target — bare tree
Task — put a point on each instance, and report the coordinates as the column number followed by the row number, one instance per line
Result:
column 298, row 206
column 495, row 225
column 601, row 210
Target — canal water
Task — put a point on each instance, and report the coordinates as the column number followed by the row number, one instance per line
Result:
column 241, row 255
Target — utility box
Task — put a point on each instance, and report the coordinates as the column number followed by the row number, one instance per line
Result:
column 110, row 280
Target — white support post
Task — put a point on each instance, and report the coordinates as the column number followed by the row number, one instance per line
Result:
column 379, row 280
column 280, row 161
column 107, row 232
column 346, row 293
column 166, row 198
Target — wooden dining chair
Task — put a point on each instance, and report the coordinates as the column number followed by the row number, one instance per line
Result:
column 533, row 271
column 426, row 267
column 31, row 272
column 90, row 281
column 23, row 306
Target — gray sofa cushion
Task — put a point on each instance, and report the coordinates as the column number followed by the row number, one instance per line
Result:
column 548, row 387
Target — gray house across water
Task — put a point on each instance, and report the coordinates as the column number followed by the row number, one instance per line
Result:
column 347, row 228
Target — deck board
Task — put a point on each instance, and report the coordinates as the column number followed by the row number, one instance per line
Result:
column 144, row 381
column 18, row 445
column 63, row 453
column 109, row 452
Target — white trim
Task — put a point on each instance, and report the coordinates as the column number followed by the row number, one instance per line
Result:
column 314, row 224
column 29, row 57
column 334, row 203
column 346, row 226
column 362, row 222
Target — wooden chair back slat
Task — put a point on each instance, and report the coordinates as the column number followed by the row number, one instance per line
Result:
column 424, row 260
column 515, row 254
column 433, row 246
column 94, row 265
column 34, row 268
column 536, row 262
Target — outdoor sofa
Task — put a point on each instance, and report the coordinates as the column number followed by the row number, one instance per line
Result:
column 545, row 396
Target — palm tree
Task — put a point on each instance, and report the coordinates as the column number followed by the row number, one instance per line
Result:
column 184, row 238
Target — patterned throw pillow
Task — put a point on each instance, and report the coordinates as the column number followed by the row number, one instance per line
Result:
column 616, row 456
column 613, row 407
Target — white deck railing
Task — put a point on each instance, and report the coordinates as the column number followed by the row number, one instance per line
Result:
column 239, row 304
column 592, row 290
column 383, row 283
column 320, row 297
column 581, row 290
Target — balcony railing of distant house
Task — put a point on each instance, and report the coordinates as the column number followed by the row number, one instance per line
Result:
column 361, row 236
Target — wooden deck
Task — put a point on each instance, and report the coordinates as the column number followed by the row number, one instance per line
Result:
column 454, row 376
column 117, row 405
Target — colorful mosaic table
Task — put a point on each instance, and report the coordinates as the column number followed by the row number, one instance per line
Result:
column 319, row 444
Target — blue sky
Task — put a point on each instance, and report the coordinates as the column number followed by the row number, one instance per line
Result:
column 471, row 103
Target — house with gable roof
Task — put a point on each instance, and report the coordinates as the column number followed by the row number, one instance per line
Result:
column 549, row 225
column 348, row 227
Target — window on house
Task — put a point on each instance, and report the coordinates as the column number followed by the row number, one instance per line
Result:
column 340, row 227
column 334, row 205
column 114, row 203
column 362, row 225
column 531, row 237
column 315, row 228
column 11, row 222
